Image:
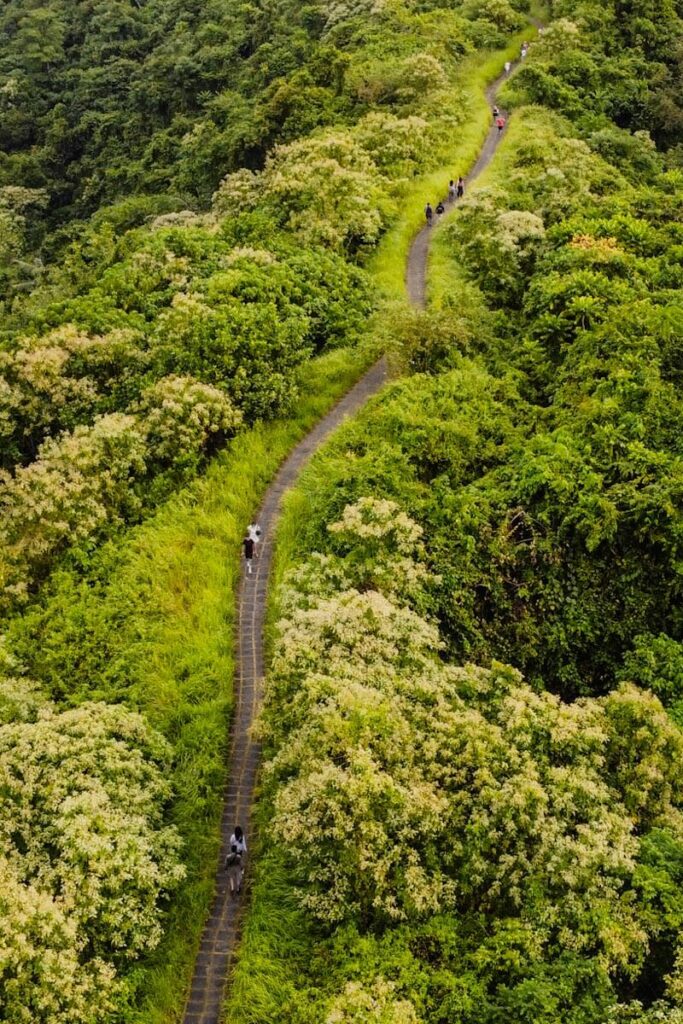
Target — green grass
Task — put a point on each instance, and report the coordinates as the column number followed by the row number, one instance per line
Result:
column 278, row 940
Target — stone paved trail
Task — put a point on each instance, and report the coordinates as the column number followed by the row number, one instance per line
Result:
column 220, row 936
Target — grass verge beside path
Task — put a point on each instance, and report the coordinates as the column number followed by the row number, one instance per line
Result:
column 388, row 265
column 154, row 624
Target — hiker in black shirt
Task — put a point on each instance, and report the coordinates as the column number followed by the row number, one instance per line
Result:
column 248, row 545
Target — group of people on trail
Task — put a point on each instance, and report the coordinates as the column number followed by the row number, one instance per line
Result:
column 249, row 544
column 456, row 190
column 234, row 860
column 524, row 49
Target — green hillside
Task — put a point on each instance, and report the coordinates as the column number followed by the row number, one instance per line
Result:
column 470, row 806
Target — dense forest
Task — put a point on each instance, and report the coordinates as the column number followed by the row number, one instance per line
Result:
column 471, row 804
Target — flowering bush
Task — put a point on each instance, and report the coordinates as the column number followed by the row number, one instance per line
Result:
column 60, row 378
column 79, row 483
column 85, row 857
column 325, row 188
column 183, row 418
column 371, row 1004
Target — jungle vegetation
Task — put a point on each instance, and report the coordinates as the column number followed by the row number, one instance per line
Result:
column 471, row 808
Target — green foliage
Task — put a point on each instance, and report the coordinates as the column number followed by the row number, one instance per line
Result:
column 602, row 63
column 152, row 371
column 85, row 857
column 116, row 108
column 493, row 851
column 656, row 662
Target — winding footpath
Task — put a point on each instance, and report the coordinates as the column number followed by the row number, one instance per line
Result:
column 219, row 940
column 416, row 268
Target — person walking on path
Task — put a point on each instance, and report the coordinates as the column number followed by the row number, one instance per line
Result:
column 508, row 67
column 234, row 861
column 254, row 531
column 440, row 210
column 460, row 188
column 496, row 113
column 248, row 544
column 500, row 124
column 451, row 190
column 429, row 213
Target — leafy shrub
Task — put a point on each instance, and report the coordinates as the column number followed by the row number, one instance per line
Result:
column 85, row 857
column 78, row 486
column 184, row 419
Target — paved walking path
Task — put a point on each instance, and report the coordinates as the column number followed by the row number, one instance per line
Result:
column 416, row 267
column 219, row 939
column 220, row 936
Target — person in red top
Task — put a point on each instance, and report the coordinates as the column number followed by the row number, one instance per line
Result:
column 500, row 123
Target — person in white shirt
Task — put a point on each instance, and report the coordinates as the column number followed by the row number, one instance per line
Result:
column 254, row 532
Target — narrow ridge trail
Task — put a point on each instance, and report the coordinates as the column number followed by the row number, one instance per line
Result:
column 220, row 935
column 416, row 267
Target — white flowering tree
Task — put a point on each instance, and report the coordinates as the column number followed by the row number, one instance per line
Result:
column 85, row 855
column 79, row 483
column 404, row 787
column 182, row 418
column 371, row 1004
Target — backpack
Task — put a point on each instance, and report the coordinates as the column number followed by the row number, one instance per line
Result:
column 234, row 858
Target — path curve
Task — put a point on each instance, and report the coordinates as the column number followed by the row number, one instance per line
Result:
column 219, row 940
column 416, row 267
